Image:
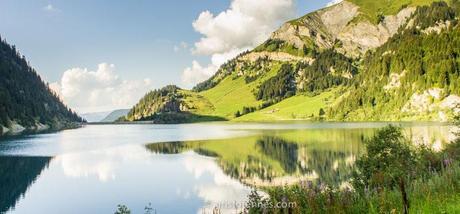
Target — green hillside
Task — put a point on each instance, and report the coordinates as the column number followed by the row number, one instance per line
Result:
column 233, row 93
column 299, row 107
column 373, row 10
column 413, row 64
column 414, row 75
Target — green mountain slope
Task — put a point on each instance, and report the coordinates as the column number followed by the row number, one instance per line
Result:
column 357, row 60
column 26, row 102
column 415, row 75
column 172, row 105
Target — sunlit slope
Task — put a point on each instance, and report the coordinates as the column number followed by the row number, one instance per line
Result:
column 371, row 9
column 233, row 93
column 299, row 107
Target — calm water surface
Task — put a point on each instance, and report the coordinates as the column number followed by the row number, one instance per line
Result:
column 95, row 168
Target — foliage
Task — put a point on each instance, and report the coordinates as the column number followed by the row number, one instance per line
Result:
column 390, row 162
column 223, row 71
column 389, row 159
column 298, row 107
column 370, row 10
column 280, row 86
column 328, row 70
column 420, row 60
column 277, row 45
column 122, row 209
column 25, row 97
column 157, row 101
column 246, row 110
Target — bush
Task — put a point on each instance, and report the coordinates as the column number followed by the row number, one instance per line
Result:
column 390, row 162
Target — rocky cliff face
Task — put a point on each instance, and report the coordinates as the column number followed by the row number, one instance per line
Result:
column 339, row 26
column 377, row 60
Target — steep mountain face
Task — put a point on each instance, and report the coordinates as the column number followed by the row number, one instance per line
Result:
column 26, row 102
column 357, row 60
column 415, row 75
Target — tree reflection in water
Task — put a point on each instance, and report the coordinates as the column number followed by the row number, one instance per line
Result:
column 282, row 157
column 17, row 174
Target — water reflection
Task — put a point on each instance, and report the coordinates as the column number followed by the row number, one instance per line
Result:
column 96, row 181
column 93, row 169
column 16, row 176
column 285, row 157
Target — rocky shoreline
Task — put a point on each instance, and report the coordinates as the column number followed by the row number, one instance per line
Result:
column 17, row 129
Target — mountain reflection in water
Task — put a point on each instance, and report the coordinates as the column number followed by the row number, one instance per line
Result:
column 281, row 157
column 286, row 157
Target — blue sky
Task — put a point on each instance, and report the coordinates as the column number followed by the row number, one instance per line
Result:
column 142, row 39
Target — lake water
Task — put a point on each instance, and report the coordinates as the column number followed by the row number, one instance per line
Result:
column 179, row 168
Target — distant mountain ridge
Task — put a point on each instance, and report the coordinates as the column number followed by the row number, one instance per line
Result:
column 358, row 60
column 26, row 102
column 115, row 115
column 92, row 117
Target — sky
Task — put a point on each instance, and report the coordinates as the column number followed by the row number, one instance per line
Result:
column 101, row 55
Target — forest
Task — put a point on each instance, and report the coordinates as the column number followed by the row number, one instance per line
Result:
column 24, row 97
column 422, row 60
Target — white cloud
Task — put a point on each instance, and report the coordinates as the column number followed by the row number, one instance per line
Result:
column 100, row 90
column 50, row 8
column 197, row 73
column 333, row 2
column 243, row 26
column 246, row 23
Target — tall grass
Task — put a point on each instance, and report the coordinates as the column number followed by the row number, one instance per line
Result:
column 435, row 190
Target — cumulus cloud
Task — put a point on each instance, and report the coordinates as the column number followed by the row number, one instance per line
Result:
column 197, row 73
column 244, row 25
column 100, row 90
column 333, row 2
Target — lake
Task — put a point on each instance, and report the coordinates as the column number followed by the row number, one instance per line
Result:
column 180, row 168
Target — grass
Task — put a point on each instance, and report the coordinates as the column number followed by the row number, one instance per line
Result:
column 232, row 94
column 299, row 107
column 196, row 103
column 436, row 189
column 370, row 9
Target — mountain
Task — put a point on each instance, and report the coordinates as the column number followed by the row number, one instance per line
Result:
column 358, row 60
column 26, row 102
column 95, row 116
column 172, row 105
column 115, row 115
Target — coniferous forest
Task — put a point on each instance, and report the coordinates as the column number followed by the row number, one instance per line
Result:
column 25, row 98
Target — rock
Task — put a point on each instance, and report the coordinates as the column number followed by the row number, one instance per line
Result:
column 451, row 102
column 437, row 28
column 16, row 128
column 423, row 103
column 432, row 100
column 39, row 127
column 395, row 81
column 3, row 130
column 274, row 56
column 336, row 18
column 337, row 23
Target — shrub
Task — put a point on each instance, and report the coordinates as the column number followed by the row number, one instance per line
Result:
column 390, row 162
